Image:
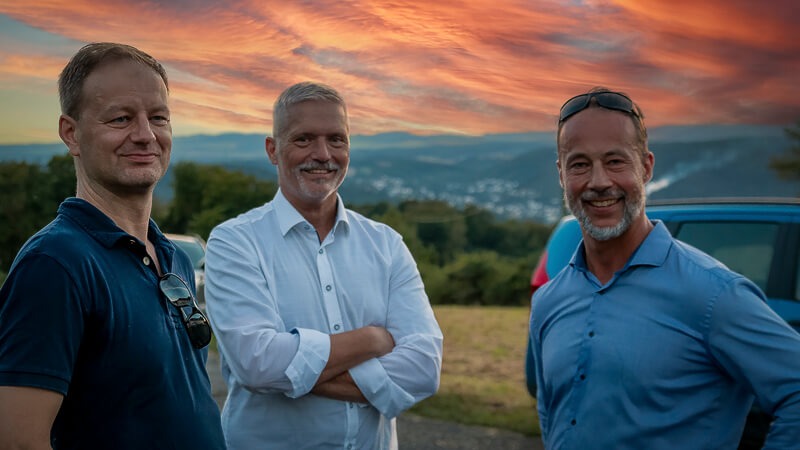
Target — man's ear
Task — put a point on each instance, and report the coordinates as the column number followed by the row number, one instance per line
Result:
column 649, row 163
column 269, row 144
column 558, row 166
column 68, row 131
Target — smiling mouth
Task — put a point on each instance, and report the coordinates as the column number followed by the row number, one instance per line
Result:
column 140, row 156
column 603, row 203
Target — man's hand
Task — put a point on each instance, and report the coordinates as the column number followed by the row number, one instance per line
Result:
column 352, row 348
column 341, row 387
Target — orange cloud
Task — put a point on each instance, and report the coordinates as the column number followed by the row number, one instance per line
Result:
column 471, row 67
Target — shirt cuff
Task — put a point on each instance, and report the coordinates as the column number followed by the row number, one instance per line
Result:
column 307, row 365
column 379, row 389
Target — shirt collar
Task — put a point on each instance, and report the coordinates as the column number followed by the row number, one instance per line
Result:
column 651, row 252
column 101, row 227
column 289, row 217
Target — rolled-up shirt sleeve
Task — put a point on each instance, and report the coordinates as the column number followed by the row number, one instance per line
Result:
column 410, row 373
column 260, row 352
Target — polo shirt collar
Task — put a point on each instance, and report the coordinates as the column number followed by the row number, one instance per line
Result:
column 289, row 217
column 100, row 227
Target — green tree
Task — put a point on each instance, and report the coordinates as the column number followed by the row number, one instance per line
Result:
column 481, row 278
column 788, row 165
column 29, row 199
column 61, row 179
column 439, row 225
column 206, row 195
column 22, row 202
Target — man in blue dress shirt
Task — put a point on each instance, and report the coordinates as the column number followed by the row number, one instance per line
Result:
column 643, row 342
column 324, row 329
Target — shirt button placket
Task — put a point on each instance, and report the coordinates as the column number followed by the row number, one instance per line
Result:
column 328, row 293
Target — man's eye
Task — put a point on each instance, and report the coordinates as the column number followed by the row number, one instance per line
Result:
column 578, row 165
column 120, row 119
column 159, row 120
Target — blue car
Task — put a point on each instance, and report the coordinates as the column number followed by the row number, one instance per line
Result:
column 759, row 238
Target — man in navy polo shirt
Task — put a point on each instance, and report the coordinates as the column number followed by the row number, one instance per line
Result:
column 101, row 345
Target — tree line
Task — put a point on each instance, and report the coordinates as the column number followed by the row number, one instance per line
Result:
column 465, row 256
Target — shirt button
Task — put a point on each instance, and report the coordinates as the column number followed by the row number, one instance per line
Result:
column 591, row 334
column 146, row 260
column 583, row 377
column 336, row 327
column 328, row 288
column 573, row 422
column 321, row 251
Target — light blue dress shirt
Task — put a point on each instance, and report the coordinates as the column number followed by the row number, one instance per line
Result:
column 274, row 294
column 668, row 354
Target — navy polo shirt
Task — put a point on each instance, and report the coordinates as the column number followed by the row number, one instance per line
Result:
column 81, row 314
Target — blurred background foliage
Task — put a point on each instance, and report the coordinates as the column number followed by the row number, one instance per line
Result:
column 466, row 256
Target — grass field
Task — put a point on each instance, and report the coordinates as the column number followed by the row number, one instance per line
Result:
column 483, row 374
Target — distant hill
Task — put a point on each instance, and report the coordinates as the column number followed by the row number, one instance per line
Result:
column 513, row 175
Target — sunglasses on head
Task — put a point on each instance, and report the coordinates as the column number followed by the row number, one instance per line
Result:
column 606, row 99
column 177, row 292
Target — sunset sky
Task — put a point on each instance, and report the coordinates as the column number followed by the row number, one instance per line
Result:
column 427, row 67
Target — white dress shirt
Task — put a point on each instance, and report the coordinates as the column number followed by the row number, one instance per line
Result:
column 274, row 294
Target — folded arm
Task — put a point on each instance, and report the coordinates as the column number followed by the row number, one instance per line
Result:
column 410, row 372
column 352, row 348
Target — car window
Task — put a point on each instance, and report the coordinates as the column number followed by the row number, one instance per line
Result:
column 195, row 251
column 745, row 248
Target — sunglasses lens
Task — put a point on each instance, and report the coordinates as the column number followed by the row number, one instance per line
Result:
column 199, row 330
column 572, row 106
column 608, row 100
column 177, row 292
column 612, row 100
column 175, row 289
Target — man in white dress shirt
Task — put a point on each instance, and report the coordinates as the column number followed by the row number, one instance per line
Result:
column 323, row 325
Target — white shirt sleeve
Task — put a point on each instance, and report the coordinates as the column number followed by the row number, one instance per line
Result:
column 260, row 352
column 410, row 373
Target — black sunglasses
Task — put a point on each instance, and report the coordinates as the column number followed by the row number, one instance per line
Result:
column 606, row 99
column 177, row 292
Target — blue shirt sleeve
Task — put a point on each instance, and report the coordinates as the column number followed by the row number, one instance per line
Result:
column 41, row 324
column 757, row 347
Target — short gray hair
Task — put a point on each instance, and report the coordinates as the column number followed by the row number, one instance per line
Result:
column 299, row 93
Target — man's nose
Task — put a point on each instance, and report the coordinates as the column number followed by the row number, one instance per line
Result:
column 599, row 179
column 320, row 149
column 142, row 130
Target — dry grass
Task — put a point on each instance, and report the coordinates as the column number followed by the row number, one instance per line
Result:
column 483, row 374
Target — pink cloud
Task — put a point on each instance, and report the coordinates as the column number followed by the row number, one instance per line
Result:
column 461, row 67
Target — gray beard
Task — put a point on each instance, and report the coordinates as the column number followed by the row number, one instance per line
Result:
column 631, row 210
